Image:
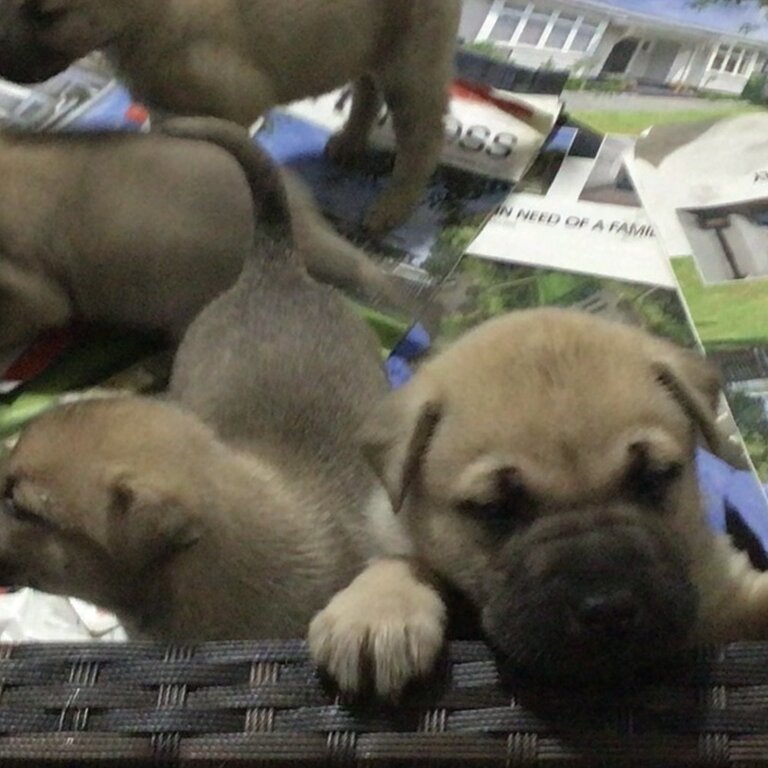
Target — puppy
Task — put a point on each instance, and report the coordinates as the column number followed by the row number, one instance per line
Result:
column 544, row 467
column 144, row 230
column 235, row 60
column 238, row 507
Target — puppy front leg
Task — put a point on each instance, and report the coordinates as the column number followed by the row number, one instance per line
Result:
column 418, row 123
column 733, row 597
column 388, row 620
column 216, row 82
column 348, row 145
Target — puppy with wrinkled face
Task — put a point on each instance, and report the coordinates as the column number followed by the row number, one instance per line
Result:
column 236, row 60
column 544, row 466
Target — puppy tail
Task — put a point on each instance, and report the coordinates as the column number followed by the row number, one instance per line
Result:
column 270, row 200
column 286, row 213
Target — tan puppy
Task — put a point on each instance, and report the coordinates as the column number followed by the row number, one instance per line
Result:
column 544, row 467
column 143, row 230
column 235, row 60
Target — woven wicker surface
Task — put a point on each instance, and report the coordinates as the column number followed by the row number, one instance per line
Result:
column 237, row 704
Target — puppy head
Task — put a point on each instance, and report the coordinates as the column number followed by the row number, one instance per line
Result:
column 544, row 464
column 40, row 38
column 98, row 495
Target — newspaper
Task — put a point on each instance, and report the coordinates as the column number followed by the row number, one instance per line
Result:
column 492, row 135
column 705, row 186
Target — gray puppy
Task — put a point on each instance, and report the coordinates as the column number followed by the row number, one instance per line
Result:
column 143, row 230
column 239, row 507
column 235, row 60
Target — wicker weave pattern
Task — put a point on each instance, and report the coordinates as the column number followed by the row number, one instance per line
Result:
column 240, row 704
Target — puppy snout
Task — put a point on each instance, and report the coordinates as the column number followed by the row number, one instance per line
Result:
column 610, row 612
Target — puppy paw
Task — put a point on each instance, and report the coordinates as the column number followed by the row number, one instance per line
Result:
column 386, row 627
column 345, row 150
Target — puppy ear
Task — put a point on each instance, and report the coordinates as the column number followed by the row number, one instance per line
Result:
column 395, row 440
column 147, row 524
column 695, row 384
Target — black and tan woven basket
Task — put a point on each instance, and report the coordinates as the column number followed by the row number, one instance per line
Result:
column 262, row 704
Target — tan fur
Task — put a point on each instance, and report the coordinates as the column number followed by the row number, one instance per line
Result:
column 183, row 530
column 235, row 60
column 558, row 402
column 142, row 230
column 240, row 506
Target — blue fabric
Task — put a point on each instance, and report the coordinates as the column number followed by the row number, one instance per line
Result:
column 723, row 485
column 107, row 112
column 413, row 344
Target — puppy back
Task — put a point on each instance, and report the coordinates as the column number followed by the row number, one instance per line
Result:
column 270, row 201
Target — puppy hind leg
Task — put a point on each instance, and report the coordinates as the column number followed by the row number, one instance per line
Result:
column 348, row 145
column 388, row 620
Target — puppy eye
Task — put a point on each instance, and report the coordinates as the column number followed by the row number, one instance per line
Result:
column 16, row 512
column 512, row 508
column 650, row 481
column 501, row 516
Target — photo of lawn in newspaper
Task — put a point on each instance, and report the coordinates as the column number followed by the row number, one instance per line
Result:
column 706, row 189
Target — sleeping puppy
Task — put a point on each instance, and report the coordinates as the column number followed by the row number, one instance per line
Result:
column 143, row 230
column 239, row 506
column 235, row 60
column 544, row 467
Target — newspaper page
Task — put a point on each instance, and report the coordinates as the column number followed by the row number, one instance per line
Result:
column 499, row 118
column 705, row 186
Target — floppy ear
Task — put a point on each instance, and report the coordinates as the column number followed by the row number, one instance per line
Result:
column 146, row 524
column 396, row 438
column 695, row 384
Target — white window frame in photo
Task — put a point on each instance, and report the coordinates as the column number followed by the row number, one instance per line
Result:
column 745, row 54
column 498, row 8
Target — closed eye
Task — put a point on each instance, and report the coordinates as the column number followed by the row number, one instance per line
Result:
column 512, row 506
column 500, row 517
column 650, row 483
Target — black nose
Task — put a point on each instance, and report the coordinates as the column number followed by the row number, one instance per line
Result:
column 608, row 612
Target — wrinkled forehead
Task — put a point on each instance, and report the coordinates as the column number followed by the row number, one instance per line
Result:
column 558, row 419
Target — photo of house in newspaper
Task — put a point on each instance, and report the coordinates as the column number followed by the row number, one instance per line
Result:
column 705, row 186
column 730, row 242
column 661, row 43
